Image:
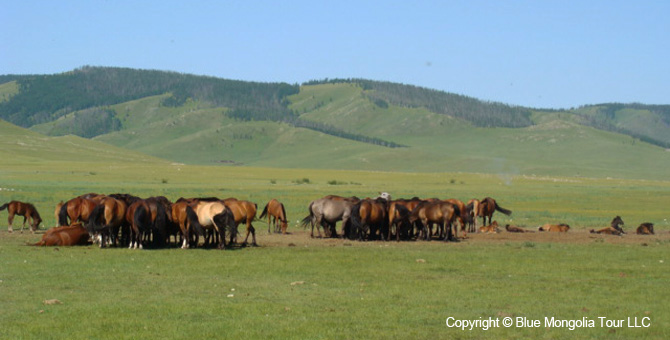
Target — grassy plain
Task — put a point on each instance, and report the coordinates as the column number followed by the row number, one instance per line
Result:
column 296, row 287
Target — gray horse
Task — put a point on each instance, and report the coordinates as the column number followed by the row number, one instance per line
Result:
column 327, row 211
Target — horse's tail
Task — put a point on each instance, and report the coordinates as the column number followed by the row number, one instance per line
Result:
column 356, row 226
column 62, row 215
column 94, row 224
column 4, row 206
column 140, row 218
column 265, row 211
column 503, row 210
column 308, row 219
column 193, row 222
column 226, row 219
column 159, row 226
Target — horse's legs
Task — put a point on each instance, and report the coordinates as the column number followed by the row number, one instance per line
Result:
column 10, row 220
column 250, row 230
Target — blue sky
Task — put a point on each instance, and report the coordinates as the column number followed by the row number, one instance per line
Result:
column 546, row 54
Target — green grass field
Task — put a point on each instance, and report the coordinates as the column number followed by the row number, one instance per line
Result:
column 296, row 287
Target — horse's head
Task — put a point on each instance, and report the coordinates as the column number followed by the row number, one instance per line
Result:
column 384, row 195
column 617, row 222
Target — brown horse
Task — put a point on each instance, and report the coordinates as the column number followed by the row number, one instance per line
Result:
column 77, row 209
column 149, row 216
column 217, row 217
column 487, row 207
column 58, row 206
column 72, row 235
column 473, row 210
column 606, row 231
column 645, row 229
column 614, row 228
column 275, row 211
column 182, row 214
column 327, row 211
column 492, row 228
column 515, row 229
column 437, row 212
column 244, row 212
column 557, row 228
column 106, row 217
column 27, row 210
column 398, row 213
column 463, row 214
column 367, row 217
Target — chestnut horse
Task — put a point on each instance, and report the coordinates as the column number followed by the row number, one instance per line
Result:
column 490, row 229
column 645, row 229
column 398, row 213
column 106, row 217
column 473, row 210
column 27, row 210
column 558, row 228
column 244, row 212
column 367, row 217
column 71, row 235
column 275, row 211
column 182, row 214
column 463, row 215
column 78, row 209
column 613, row 229
column 438, row 212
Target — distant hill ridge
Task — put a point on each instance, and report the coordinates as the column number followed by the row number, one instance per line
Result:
column 333, row 123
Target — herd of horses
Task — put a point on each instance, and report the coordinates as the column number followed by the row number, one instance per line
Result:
column 384, row 218
column 129, row 221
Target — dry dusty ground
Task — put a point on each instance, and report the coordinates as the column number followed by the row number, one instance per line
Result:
column 299, row 237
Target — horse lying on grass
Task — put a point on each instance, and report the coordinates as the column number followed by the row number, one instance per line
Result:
column 492, row 228
column 71, row 235
column 645, row 229
column 557, row 228
column 515, row 229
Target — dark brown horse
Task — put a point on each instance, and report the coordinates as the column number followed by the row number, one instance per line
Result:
column 148, row 216
column 368, row 217
column 515, row 229
column 275, row 211
column 72, row 235
column 487, row 207
column 27, row 210
column 105, row 218
column 434, row 212
column 645, row 229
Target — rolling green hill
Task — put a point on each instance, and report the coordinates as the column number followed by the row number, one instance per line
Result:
column 338, row 124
